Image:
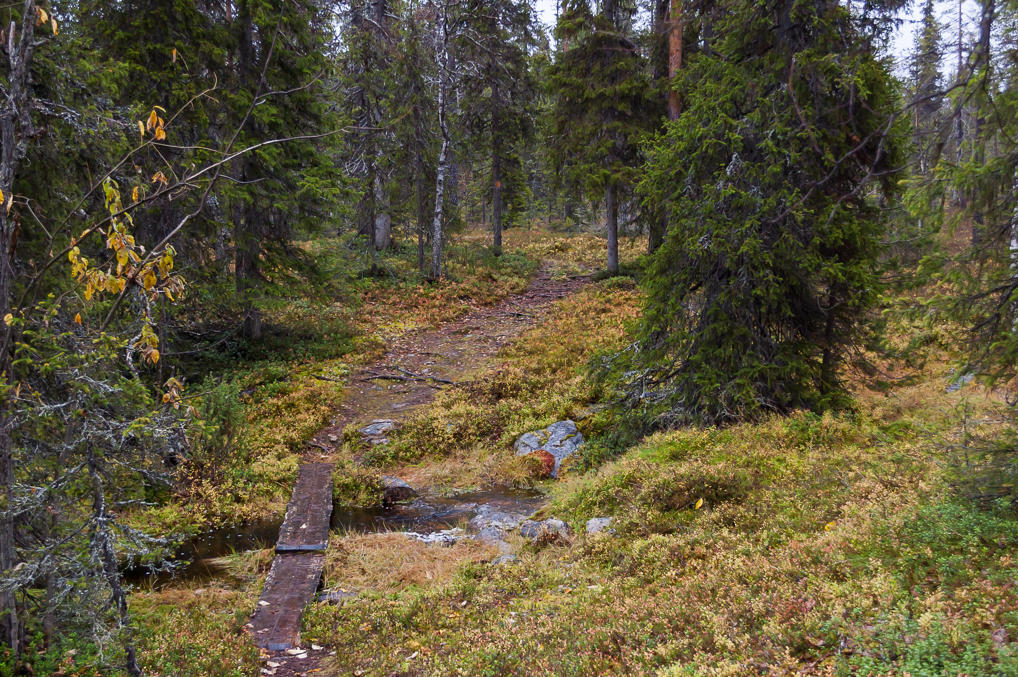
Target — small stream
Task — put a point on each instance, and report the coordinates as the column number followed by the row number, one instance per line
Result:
column 202, row 558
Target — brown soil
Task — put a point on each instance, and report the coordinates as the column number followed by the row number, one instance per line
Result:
column 420, row 363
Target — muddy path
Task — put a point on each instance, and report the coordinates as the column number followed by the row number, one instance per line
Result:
column 415, row 367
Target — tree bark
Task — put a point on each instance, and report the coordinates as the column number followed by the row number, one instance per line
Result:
column 612, row 222
column 422, row 217
column 16, row 130
column 443, row 156
column 674, row 58
column 383, row 221
column 104, row 548
column 496, row 188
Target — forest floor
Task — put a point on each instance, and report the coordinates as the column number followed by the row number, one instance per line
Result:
column 880, row 540
column 297, row 406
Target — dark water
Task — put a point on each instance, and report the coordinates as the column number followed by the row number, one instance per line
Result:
column 433, row 513
column 202, row 558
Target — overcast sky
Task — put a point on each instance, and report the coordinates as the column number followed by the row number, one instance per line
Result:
column 903, row 39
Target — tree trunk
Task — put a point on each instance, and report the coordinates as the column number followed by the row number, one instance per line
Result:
column 16, row 130
column 422, row 219
column 612, row 222
column 247, row 218
column 383, row 221
column 496, row 199
column 104, row 549
column 436, row 224
column 246, row 249
column 674, row 58
column 656, row 233
column 443, row 156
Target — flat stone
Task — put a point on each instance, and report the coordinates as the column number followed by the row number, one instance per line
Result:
column 491, row 516
column 378, row 427
column 596, row 525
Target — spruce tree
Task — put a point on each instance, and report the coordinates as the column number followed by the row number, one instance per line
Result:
column 500, row 98
column 771, row 178
column 602, row 107
column 926, row 85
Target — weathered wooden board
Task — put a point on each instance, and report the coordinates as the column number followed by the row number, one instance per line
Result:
column 291, row 583
column 306, row 525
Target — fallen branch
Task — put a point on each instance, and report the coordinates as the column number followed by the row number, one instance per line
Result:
column 422, row 377
column 386, row 377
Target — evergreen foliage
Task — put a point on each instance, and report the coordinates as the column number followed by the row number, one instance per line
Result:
column 771, row 178
column 602, row 106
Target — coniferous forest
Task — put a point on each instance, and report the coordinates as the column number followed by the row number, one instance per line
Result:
column 508, row 337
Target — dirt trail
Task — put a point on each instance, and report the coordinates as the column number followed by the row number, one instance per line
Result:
column 420, row 363
column 415, row 367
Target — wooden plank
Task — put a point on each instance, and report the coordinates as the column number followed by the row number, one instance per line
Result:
column 306, row 525
column 290, row 585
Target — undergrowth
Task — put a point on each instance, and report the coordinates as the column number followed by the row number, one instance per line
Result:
column 867, row 542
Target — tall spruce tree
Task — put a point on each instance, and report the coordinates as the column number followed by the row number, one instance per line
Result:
column 497, row 37
column 771, row 178
column 603, row 106
column 926, row 86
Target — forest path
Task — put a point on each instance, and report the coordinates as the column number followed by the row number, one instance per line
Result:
column 414, row 368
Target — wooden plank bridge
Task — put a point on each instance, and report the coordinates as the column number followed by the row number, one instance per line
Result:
column 300, row 555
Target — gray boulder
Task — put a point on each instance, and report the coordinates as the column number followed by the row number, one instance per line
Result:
column 561, row 440
column 395, row 490
column 375, row 432
column 545, row 531
column 596, row 525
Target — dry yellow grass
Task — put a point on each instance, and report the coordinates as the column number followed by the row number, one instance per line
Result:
column 391, row 562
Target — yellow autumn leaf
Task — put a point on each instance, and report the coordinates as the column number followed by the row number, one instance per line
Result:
column 160, row 134
column 53, row 25
column 699, row 504
column 43, row 16
column 134, row 194
column 173, row 55
column 153, row 120
column 153, row 356
column 141, row 128
column 77, row 318
column 149, row 280
column 8, row 318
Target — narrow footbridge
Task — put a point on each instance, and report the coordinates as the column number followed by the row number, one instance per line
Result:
column 300, row 555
